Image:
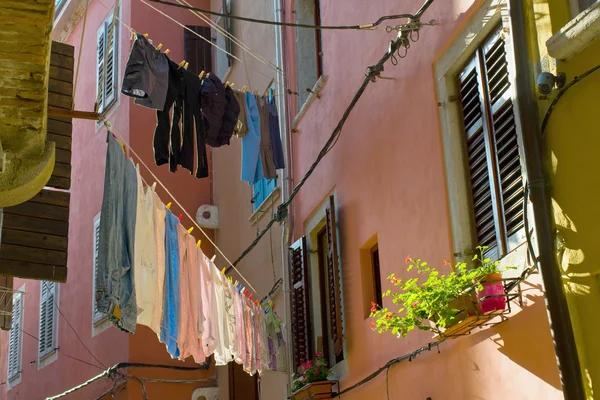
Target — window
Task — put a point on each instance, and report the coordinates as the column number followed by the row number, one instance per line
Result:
column 107, row 65
column 309, row 51
column 261, row 190
column 317, row 317
column 227, row 24
column 15, row 341
column 196, row 51
column 48, row 319
column 492, row 147
column 98, row 317
column 376, row 276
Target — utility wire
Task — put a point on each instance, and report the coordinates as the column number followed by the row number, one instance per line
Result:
column 308, row 26
column 562, row 92
column 371, row 76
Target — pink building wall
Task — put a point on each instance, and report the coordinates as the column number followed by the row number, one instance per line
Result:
column 388, row 173
column 136, row 125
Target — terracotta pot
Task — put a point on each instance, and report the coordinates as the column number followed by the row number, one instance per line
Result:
column 313, row 390
column 492, row 297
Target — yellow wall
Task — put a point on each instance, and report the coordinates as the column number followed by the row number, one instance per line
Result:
column 572, row 138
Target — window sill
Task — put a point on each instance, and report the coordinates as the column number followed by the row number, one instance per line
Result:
column 100, row 325
column 311, row 97
column 574, row 37
column 263, row 209
column 14, row 381
column 47, row 359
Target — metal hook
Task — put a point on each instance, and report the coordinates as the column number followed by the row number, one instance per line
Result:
column 416, row 34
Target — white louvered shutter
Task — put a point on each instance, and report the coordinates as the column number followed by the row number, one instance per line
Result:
column 100, row 58
column 47, row 337
column 15, row 340
column 97, row 315
column 110, row 58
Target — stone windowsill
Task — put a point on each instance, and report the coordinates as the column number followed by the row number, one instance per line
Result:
column 574, row 37
column 265, row 206
column 311, row 97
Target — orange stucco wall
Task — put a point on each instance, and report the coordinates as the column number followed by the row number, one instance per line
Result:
column 387, row 170
column 136, row 125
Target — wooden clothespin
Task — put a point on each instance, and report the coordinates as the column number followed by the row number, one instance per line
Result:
column 268, row 86
column 244, row 88
column 231, row 86
column 227, row 83
column 207, row 75
column 201, row 74
column 167, row 51
column 169, row 206
column 255, row 92
column 159, row 46
column 190, row 230
column 187, row 64
column 181, row 64
column 199, row 243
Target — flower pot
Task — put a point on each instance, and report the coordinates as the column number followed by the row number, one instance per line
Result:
column 314, row 390
column 492, row 297
column 466, row 306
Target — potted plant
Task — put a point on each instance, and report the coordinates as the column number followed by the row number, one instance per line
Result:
column 313, row 380
column 438, row 301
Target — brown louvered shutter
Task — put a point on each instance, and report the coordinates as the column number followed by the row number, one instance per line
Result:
column 333, row 280
column 492, row 147
column 301, row 333
column 197, row 51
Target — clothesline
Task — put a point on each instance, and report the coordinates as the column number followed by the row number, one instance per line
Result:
column 111, row 129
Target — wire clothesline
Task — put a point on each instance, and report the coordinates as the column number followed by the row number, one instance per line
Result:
column 111, row 129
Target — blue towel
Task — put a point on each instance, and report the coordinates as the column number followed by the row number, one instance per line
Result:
column 251, row 166
column 170, row 323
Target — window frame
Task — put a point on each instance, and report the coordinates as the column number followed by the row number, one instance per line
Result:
column 44, row 357
column 376, row 271
column 107, row 106
column 100, row 322
column 15, row 379
column 448, row 65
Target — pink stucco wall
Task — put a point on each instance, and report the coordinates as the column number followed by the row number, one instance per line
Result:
column 136, row 125
column 388, row 173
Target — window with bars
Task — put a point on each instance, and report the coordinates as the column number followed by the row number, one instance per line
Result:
column 317, row 318
column 107, row 64
column 48, row 336
column 493, row 146
column 15, row 340
column 98, row 317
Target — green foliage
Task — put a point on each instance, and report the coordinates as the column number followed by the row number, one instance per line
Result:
column 312, row 371
column 431, row 296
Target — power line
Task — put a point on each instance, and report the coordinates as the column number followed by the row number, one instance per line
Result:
column 267, row 22
column 402, row 41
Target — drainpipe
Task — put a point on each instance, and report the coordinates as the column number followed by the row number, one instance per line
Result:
column 286, row 181
column 556, row 302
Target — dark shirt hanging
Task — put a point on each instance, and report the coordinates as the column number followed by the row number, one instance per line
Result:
column 164, row 130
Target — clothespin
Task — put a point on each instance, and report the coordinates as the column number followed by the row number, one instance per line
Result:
column 250, row 297
column 181, row 64
column 230, row 279
column 167, row 51
column 199, row 243
column 159, row 46
column 255, row 92
column 269, row 86
column 154, row 186
column 236, row 283
column 227, row 83
column 246, row 292
column 223, row 270
column 212, row 260
column 244, row 88
column 169, row 206
column 256, row 303
column 180, row 217
column 242, row 289
column 186, row 65
column 145, row 35
column 190, row 230
column 231, row 85
column 207, row 75
column 201, row 74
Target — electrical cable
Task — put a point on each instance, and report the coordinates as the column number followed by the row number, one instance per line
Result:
column 562, row 92
column 266, row 22
column 371, row 76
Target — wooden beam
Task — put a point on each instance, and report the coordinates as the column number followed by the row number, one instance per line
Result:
column 35, row 271
column 56, row 112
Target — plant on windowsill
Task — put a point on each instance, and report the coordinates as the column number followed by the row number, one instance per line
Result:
column 313, row 379
column 442, row 300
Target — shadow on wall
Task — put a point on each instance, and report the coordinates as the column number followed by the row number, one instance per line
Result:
column 525, row 337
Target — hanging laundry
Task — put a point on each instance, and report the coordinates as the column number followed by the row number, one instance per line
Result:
column 251, row 168
column 160, row 216
column 214, row 103
column 115, row 288
column 230, row 319
column 266, row 151
column 146, row 252
column 146, row 75
column 242, row 127
column 209, row 306
column 222, row 352
column 232, row 112
column 238, row 304
column 170, row 322
column 274, row 131
column 164, row 128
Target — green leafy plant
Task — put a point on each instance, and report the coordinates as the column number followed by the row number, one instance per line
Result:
column 311, row 371
column 432, row 296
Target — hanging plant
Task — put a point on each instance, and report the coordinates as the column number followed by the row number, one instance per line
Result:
column 434, row 302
